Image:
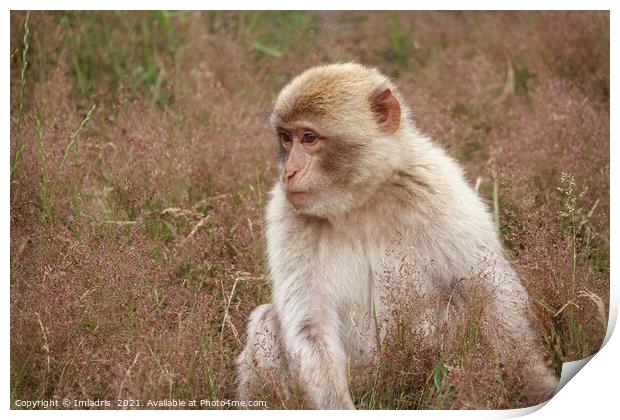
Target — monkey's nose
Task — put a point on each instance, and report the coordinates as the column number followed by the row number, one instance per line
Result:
column 289, row 174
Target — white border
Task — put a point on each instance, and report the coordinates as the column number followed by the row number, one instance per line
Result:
column 592, row 395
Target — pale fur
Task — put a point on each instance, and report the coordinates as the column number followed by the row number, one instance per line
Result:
column 411, row 199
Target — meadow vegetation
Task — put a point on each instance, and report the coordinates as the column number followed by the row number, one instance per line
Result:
column 141, row 162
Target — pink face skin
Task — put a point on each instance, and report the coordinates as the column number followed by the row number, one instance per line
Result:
column 300, row 177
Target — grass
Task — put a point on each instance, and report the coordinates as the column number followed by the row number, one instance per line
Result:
column 19, row 146
column 47, row 188
column 141, row 162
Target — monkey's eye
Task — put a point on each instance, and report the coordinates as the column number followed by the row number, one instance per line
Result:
column 309, row 137
column 285, row 137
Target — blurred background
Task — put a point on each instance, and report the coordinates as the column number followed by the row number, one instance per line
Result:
column 141, row 161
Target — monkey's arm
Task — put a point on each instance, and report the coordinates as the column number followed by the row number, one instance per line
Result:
column 312, row 338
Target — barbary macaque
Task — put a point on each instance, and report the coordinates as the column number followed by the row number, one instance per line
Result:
column 359, row 185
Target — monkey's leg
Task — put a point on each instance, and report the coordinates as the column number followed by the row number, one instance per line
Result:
column 314, row 344
column 261, row 365
column 516, row 336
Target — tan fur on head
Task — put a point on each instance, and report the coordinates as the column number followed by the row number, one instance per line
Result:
column 342, row 90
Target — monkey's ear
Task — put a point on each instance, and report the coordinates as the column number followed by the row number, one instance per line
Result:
column 386, row 108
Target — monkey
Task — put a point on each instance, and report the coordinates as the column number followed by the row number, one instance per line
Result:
column 358, row 182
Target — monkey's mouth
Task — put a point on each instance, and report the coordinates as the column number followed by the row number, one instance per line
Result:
column 299, row 197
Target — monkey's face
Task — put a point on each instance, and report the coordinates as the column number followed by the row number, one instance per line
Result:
column 324, row 171
column 302, row 151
